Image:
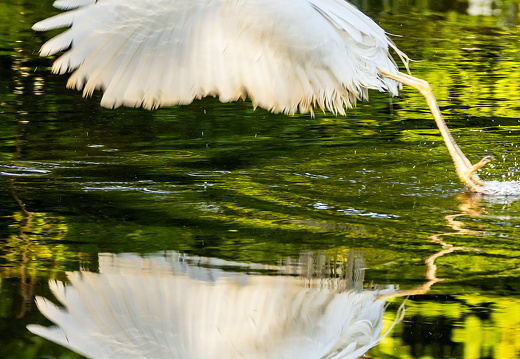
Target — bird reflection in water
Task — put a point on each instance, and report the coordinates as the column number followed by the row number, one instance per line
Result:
column 169, row 305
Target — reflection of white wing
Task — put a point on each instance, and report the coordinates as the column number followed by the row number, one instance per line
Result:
column 161, row 307
column 481, row 7
column 286, row 55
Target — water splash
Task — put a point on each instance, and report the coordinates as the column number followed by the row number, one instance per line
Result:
column 503, row 188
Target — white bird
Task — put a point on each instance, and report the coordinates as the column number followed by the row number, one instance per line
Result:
column 168, row 305
column 285, row 55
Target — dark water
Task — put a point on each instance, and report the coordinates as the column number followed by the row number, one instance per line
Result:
column 224, row 181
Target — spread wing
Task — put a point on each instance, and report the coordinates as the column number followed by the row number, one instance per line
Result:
column 286, row 55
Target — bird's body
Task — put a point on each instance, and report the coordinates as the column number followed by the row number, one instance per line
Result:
column 285, row 55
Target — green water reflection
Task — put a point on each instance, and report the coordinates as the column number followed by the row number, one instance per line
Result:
column 227, row 181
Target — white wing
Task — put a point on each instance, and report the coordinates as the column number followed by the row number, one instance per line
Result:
column 286, row 55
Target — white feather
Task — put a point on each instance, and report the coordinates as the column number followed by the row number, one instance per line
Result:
column 286, row 55
column 72, row 4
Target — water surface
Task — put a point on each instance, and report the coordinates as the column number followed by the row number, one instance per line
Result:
column 230, row 183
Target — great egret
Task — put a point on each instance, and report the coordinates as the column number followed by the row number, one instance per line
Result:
column 169, row 305
column 285, row 55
